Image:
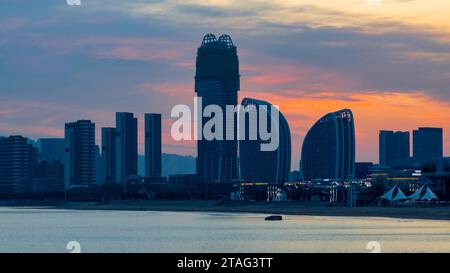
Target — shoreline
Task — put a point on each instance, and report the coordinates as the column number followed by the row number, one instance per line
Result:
column 285, row 208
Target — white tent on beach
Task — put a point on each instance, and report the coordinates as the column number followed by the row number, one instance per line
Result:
column 423, row 194
column 400, row 195
column 429, row 195
column 416, row 195
column 394, row 194
column 389, row 195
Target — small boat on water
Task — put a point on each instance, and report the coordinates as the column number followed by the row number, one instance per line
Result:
column 274, row 218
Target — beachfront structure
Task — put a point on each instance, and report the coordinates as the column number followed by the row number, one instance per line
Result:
column 423, row 194
column 80, row 153
column 438, row 171
column 217, row 82
column 265, row 166
column 328, row 150
column 394, row 194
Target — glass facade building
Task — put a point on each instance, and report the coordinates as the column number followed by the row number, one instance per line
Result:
column 80, row 153
column 17, row 161
column 126, row 146
column 427, row 144
column 265, row 166
column 152, row 145
column 109, row 155
column 217, row 82
column 328, row 150
column 51, row 149
column 394, row 148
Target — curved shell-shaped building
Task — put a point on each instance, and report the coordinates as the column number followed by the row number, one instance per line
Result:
column 265, row 166
column 328, row 150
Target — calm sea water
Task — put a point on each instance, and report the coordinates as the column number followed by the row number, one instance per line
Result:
column 39, row 230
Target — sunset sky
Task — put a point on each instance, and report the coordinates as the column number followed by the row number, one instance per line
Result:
column 389, row 63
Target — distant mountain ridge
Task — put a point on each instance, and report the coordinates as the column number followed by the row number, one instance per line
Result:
column 171, row 164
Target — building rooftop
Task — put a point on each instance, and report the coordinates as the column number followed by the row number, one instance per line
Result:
column 224, row 41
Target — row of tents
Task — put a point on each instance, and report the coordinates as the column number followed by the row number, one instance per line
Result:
column 422, row 194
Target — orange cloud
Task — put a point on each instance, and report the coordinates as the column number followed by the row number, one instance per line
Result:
column 291, row 80
column 373, row 112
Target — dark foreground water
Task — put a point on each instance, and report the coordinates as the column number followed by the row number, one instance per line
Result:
column 39, row 230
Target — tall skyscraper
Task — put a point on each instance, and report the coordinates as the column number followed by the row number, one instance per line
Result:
column 109, row 155
column 80, row 158
column 217, row 82
column 17, row 161
column 152, row 145
column 126, row 146
column 427, row 144
column 394, row 148
column 265, row 166
column 99, row 179
column 51, row 149
column 328, row 150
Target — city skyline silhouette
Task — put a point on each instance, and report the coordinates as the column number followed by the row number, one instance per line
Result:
column 241, row 130
column 63, row 61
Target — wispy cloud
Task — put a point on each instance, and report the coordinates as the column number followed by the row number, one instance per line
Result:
column 389, row 63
